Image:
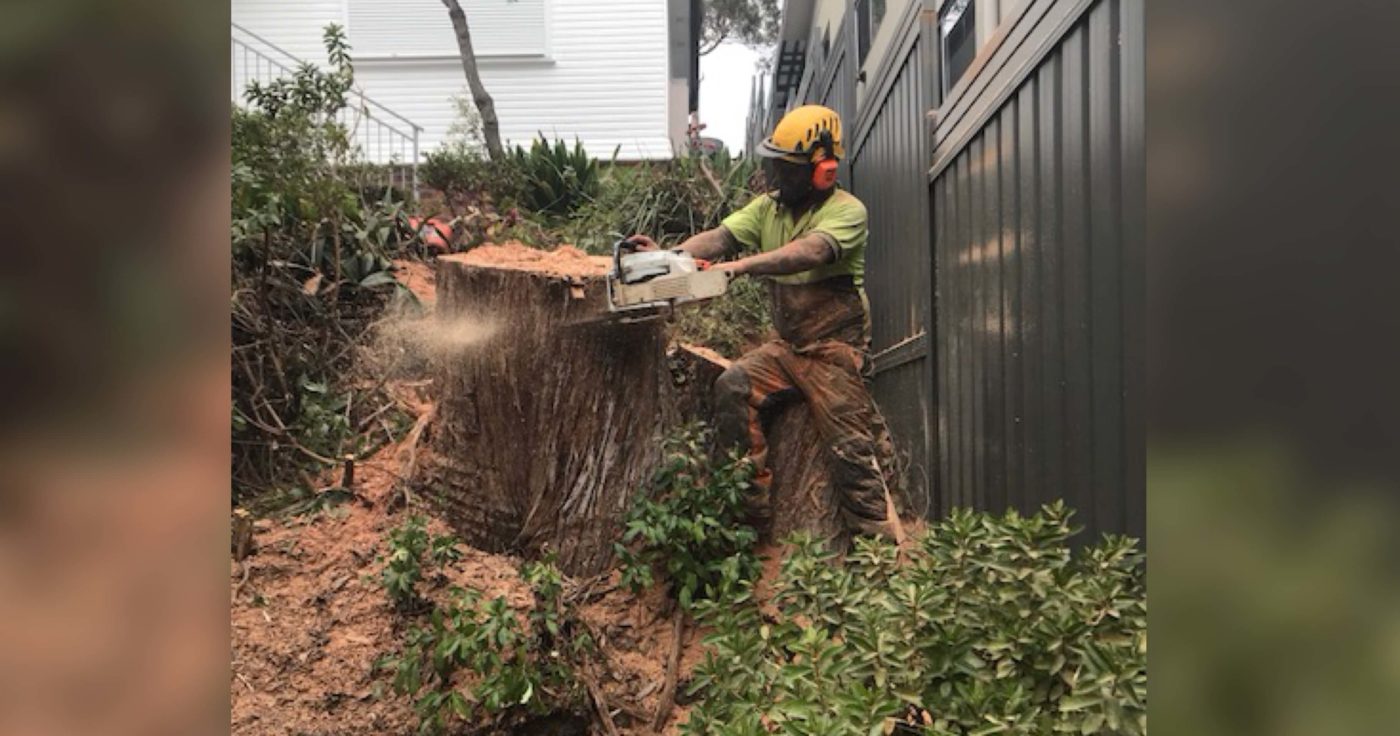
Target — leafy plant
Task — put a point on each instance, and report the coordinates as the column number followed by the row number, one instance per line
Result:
column 311, row 270
column 513, row 667
column 409, row 546
column 991, row 626
column 690, row 523
column 557, row 179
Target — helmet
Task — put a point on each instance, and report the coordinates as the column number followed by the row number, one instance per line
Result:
column 808, row 134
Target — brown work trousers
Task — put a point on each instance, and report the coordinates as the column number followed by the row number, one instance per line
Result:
column 830, row 376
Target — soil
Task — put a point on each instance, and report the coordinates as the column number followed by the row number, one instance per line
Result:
column 566, row 260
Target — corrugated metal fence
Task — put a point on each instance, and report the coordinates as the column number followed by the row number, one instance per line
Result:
column 1005, row 268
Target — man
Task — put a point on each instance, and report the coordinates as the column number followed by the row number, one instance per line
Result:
column 810, row 236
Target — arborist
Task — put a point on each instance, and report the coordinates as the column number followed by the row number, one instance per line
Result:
column 810, row 236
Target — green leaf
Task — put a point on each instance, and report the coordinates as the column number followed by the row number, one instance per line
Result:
column 378, row 278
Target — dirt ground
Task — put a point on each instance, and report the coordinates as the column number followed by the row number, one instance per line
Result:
column 309, row 616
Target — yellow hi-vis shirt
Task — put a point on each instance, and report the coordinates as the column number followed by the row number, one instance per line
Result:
column 766, row 225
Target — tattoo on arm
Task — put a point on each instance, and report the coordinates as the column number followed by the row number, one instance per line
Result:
column 800, row 255
column 711, row 244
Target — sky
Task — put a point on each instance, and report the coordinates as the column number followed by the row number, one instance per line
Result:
column 726, row 77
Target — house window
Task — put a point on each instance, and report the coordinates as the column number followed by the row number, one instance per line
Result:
column 869, row 15
column 421, row 28
column 957, row 25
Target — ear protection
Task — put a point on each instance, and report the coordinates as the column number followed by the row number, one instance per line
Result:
column 824, row 171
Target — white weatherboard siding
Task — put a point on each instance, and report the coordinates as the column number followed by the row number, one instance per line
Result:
column 602, row 78
column 294, row 25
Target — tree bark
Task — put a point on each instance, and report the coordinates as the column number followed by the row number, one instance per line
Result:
column 548, row 420
column 485, row 106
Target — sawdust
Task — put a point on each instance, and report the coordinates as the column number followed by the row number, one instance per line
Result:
column 312, row 617
column 566, row 260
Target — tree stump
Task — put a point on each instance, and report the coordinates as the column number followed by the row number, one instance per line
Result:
column 548, row 413
column 803, row 496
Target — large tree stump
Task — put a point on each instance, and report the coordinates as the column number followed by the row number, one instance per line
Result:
column 804, row 498
column 548, row 416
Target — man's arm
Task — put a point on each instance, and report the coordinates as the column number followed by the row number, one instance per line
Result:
column 803, row 254
column 711, row 244
column 708, row 245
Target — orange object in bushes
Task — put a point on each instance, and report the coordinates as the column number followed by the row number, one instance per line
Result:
column 436, row 232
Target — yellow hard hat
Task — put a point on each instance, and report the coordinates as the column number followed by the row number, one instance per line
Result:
column 802, row 135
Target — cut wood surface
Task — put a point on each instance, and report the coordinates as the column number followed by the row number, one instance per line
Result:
column 548, row 423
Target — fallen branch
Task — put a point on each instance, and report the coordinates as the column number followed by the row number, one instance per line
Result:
column 668, row 691
column 600, row 703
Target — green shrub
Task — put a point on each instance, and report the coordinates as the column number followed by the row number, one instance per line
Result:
column 515, row 668
column 556, row 179
column 311, row 260
column 991, row 626
column 409, row 547
column 689, row 524
column 462, row 174
column 668, row 200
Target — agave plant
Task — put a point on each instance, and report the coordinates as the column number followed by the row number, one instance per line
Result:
column 557, row 179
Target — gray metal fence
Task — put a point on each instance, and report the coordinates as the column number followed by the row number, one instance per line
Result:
column 1036, row 193
column 1005, row 265
column 380, row 135
column 889, row 149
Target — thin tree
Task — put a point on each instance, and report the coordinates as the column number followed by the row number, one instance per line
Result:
column 490, row 126
column 753, row 23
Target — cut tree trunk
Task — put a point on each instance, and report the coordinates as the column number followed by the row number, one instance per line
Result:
column 803, row 496
column 548, row 413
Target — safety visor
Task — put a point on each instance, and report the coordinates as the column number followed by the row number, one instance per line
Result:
column 766, row 149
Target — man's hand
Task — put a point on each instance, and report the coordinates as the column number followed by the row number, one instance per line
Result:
column 642, row 242
column 732, row 268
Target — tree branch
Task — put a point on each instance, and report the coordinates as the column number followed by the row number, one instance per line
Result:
column 715, row 44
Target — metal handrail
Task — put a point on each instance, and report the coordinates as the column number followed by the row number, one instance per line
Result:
column 298, row 62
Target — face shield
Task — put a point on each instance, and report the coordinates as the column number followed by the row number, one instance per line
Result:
column 793, row 181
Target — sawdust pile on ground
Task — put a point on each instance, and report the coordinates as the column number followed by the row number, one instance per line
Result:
column 311, row 617
column 566, row 260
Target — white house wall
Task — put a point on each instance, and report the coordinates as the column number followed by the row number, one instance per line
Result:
column 603, row 79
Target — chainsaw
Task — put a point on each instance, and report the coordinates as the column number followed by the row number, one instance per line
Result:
column 646, row 284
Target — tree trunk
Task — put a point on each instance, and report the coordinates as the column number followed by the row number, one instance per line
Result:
column 490, row 126
column 803, row 496
column 549, row 414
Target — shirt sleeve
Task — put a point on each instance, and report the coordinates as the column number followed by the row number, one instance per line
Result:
column 844, row 225
column 746, row 225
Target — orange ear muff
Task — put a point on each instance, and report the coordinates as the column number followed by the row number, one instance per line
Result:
column 824, row 174
column 824, row 171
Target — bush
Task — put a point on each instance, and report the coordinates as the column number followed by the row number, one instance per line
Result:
column 689, row 524
column 311, row 261
column 991, row 626
column 409, row 548
column 556, row 179
column 669, row 200
column 516, row 669
column 464, row 176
